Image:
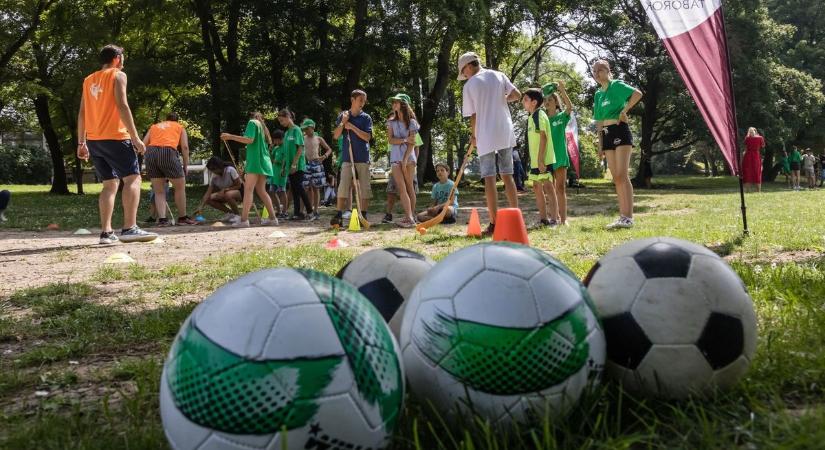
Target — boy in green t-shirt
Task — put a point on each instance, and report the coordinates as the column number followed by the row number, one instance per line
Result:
column 542, row 156
column 277, row 182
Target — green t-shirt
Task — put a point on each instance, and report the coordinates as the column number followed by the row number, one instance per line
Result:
column 558, row 128
column 293, row 137
column 534, row 137
column 279, row 171
column 786, row 164
column 608, row 104
column 796, row 157
column 257, row 153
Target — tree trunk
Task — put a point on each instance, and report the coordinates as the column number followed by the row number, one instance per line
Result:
column 649, row 116
column 71, row 122
column 203, row 10
column 430, row 106
column 355, row 53
column 768, row 174
column 324, row 120
column 41, row 107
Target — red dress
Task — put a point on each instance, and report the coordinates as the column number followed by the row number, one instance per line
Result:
column 752, row 164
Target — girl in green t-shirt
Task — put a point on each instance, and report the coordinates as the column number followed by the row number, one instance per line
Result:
column 611, row 103
column 293, row 148
column 258, row 167
column 558, row 129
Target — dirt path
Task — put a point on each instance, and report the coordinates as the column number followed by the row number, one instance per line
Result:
column 29, row 259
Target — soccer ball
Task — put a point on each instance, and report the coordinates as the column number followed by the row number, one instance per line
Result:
column 282, row 349
column 677, row 318
column 387, row 277
column 501, row 329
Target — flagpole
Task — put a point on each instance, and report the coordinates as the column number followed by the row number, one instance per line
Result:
column 735, row 128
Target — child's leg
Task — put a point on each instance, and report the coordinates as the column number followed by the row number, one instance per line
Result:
column 541, row 202
column 560, row 183
column 260, row 189
column 250, row 180
column 550, row 196
column 401, row 188
column 159, row 188
column 409, row 176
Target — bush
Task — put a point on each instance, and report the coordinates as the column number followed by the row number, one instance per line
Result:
column 25, row 165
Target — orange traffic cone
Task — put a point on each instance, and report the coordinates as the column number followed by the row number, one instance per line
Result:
column 474, row 226
column 510, row 226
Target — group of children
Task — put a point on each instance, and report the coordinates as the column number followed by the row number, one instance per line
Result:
column 805, row 164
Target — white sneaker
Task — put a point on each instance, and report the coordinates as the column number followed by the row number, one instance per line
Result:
column 227, row 217
column 234, row 219
column 621, row 222
column 3, row 217
column 241, row 224
column 269, row 222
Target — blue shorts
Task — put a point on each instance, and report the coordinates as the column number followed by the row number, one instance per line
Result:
column 503, row 158
column 314, row 175
column 113, row 159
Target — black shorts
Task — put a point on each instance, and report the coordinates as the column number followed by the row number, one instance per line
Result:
column 616, row 135
column 113, row 159
column 163, row 162
column 795, row 166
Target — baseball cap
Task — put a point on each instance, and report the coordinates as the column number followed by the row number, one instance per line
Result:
column 401, row 97
column 307, row 123
column 463, row 60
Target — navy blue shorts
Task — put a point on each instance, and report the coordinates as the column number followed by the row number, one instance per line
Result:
column 113, row 159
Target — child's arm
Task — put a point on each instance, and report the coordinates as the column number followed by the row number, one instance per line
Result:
column 205, row 197
column 328, row 151
column 568, row 105
column 299, row 150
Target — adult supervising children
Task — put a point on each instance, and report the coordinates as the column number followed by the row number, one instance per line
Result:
column 163, row 162
column 106, row 132
column 555, row 96
column 258, row 167
column 355, row 126
column 485, row 97
column 611, row 103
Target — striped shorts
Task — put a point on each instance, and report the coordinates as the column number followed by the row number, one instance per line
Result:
column 163, row 162
column 314, row 175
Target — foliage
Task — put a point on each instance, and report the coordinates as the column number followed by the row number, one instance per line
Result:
column 24, row 165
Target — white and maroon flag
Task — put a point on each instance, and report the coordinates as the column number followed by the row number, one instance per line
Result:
column 693, row 33
column 572, row 135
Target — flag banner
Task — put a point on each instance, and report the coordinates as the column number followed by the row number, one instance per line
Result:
column 572, row 134
column 693, row 33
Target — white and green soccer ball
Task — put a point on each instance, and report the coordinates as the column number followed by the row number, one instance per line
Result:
column 282, row 358
column 503, row 331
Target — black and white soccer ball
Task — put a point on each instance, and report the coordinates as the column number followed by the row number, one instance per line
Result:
column 677, row 319
column 387, row 277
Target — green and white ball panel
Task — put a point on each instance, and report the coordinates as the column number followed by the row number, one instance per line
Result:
column 282, row 349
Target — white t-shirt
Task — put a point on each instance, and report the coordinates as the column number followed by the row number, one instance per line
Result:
column 485, row 95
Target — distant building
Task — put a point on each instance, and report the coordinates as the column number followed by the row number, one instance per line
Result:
column 20, row 138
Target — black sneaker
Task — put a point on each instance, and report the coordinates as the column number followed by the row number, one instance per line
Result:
column 164, row 222
column 335, row 221
column 491, row 228
column 108, row 238
column 387, row 218
column 135, row 234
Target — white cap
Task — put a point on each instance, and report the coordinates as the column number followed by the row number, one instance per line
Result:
column 463, row 60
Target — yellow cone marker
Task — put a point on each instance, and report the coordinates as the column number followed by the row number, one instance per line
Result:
column 354, row 224
column 119, row 258
column 264, row 213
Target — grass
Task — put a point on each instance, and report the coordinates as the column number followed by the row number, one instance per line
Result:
column 108, row 343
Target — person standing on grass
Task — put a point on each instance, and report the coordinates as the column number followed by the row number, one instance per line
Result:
column 559, row 118
column 355, row 126
column 279, row 179
column 107, row 134
column 258, row 168
column 542, row 157
column 296, row 163
column 613, row 100
column 796, row 165
column 224, row 191
column 785, row 164
column 315, row 179
column 808, row 163
column 163, row 163
column 401, row 131
column 751, row 162
column 392, row 192
column 485, row 96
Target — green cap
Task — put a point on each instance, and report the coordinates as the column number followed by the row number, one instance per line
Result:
column 401, row 97
column 549, row 89
column 307, row 123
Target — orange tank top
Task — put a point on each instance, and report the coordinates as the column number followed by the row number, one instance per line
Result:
column 165, row 134
column 101, row 117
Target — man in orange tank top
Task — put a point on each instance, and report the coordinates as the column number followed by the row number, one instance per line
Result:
column 106, row 133
column 162, row 163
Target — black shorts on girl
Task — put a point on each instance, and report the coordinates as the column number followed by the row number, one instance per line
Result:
column 616, row 135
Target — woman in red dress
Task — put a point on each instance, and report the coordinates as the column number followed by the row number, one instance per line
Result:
column 751, row 163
